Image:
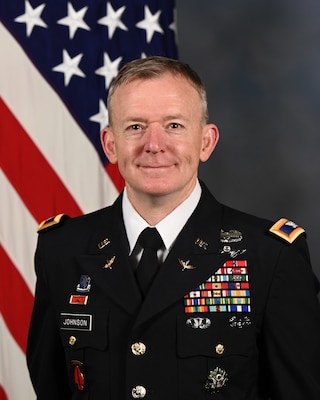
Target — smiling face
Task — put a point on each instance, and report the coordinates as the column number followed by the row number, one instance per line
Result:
column 158, row 137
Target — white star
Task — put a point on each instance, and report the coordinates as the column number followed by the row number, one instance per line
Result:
column 69, row 67
column 31, row 17
column 110, row 69
column 173, row 25
column 74, row 20
column 102, row 117
column 113, row 20
column 150, row 23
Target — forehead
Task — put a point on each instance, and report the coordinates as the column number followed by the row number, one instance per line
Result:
column 164, row 86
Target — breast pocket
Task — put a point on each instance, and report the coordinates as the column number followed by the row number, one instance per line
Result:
column 84, row 336
column 212, row 345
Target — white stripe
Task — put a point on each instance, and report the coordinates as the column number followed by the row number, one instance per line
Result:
column 14, row 376
column 17, row 231
column 42, row 114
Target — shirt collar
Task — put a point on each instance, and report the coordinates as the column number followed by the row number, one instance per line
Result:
column 169, row 227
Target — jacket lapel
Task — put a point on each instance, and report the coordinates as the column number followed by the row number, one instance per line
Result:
column 107, row 261
column 193, row 259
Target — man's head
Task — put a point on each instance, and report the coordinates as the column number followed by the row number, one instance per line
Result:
column 154, row 67
column 158, row 131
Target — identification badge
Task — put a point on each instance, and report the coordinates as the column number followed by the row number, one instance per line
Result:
column 78, row 322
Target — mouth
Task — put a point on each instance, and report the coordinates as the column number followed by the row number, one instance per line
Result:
column 154, row 167
column 155, row 171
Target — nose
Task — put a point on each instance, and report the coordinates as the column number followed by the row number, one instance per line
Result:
column 154, row 139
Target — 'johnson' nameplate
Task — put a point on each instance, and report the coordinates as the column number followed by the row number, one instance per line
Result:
column 78, row 322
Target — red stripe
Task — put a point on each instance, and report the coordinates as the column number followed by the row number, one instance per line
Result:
column 42, row 191
column 114, row 174
column 3, row 395
column 16, row 301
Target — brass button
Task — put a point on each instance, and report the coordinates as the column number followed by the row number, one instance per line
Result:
column 138, row 348
column 72, row 340
column 220, row 348
column 139, row 392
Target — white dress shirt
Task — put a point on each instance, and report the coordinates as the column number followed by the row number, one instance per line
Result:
column 168, row 228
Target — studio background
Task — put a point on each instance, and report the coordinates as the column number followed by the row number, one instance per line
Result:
column 260, row 62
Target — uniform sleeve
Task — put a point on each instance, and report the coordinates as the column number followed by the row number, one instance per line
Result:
column 291, row 329
column 45, row 354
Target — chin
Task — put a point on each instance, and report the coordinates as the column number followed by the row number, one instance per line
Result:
column 158, row 188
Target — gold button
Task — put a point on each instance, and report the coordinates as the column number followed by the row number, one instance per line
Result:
column 139, row 392
column 72, row 340
column 138, row 348
column 220, row 348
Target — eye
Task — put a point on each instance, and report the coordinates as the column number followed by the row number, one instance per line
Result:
column 175, row 125
column 135, row 127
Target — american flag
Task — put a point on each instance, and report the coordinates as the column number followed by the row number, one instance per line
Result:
column 57, row 59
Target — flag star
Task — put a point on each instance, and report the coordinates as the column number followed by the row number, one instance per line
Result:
column 69, row 67
column 102, row 117
column 74, row 20
column 109, row 70
column 173, row 25
column 150, row 23
column 31, row 17
column 113, row 20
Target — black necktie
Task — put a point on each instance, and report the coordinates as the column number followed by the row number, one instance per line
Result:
column 150, row 241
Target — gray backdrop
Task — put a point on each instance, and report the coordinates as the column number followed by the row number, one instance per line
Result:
column 260, row 61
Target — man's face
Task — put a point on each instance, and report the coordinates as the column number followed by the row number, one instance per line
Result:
column 157, row 136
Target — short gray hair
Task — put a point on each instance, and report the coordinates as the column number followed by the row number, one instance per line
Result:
column 154, row 67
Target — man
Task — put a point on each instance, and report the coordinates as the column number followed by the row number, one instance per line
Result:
column 231, row 312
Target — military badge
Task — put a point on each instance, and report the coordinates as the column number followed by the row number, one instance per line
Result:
column 103, row 243
column 231, row 236
column 236, row 322
column 52, row 222
column 186, row 265
column 198, row 323
column 108, row 264
column 287, row 230
column 228, row 290
column 216, row 380
column 84, row 285
column 78, row 299
column 78, row 375
column 232, row 252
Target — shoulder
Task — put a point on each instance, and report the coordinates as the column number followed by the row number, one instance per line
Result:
column 286, row 230
column 283, row 230
column 52, row 222
column 62, row 223
column 236, row 222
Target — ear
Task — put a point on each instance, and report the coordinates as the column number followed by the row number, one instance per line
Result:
column 107, row 141
column 210, row 138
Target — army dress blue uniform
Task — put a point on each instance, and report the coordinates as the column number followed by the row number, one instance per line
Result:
column 232, row 313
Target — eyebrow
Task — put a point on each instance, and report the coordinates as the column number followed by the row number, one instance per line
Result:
column 143, row 119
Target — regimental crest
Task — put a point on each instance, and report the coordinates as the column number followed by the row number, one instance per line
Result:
column 84, row 285
column 286, row 230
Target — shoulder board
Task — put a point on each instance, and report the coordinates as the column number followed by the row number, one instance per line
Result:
column 287, row 230
column 52, row 222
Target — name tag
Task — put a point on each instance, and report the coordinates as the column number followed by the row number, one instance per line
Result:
column 78, row 322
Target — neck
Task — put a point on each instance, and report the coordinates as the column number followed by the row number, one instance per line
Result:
column 154, row 208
